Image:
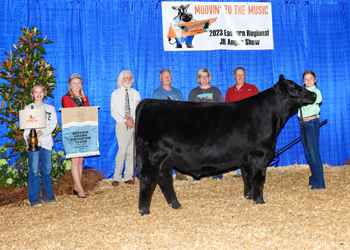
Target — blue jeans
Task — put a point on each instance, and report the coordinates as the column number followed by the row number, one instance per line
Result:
column 181, row 40
column 312, row 152
column 34, row 178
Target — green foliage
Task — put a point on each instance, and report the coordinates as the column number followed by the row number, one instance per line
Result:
column 9, row 175
column 18, row 176
column 24, row 67
column 59, row 165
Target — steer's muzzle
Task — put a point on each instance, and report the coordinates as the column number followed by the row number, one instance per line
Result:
column 309, row 97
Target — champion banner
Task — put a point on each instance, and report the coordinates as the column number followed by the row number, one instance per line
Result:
column 80, row 131
column 213, row 26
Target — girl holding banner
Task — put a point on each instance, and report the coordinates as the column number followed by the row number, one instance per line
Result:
column 76, row 98
column 45, row 140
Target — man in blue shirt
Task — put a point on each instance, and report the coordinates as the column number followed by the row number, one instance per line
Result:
column 167, row 92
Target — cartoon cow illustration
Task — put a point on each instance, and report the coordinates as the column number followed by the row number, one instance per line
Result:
column 184, row 27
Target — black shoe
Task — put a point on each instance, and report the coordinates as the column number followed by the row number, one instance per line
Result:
column 75, row 192
column 86, row 195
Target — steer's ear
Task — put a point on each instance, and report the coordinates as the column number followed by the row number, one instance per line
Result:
column 281, row 77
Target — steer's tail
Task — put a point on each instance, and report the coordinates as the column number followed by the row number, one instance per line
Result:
column 138, row 164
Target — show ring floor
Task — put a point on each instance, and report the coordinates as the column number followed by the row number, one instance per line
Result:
column 215, row 215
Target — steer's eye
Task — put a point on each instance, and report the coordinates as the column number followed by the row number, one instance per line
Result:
column 292, row 92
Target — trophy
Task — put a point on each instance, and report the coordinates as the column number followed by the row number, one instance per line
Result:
column 32, row 119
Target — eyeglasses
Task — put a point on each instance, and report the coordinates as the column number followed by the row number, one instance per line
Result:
column 204, row 77
column 127, row 78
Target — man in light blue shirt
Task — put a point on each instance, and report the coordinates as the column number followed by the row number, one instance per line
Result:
column 167, row 92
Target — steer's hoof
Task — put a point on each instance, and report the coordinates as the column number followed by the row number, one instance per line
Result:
column 175, row 205
column 249, row 195
column 259, row 201
column 143, row 212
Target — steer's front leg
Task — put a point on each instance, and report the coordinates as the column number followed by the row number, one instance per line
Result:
column 258, row 181
column 247, row 181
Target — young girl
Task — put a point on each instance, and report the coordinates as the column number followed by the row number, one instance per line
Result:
column 310, row 131
column 45, row 141
column 76, row 98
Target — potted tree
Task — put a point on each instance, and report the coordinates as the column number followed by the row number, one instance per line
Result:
column 24, row 67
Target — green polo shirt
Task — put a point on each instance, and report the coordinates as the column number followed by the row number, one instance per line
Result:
column 312, row 109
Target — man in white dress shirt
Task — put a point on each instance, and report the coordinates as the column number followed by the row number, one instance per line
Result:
column 123, row 106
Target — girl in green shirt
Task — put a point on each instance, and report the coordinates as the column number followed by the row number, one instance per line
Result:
column 310, row 132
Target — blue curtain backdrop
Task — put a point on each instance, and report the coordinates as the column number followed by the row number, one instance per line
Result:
column 99, row 38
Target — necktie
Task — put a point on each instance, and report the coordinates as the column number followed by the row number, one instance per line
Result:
column 127, row 104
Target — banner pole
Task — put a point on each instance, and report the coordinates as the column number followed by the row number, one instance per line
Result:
column 134, row 156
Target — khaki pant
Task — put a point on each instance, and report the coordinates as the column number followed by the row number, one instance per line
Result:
column 125, row 139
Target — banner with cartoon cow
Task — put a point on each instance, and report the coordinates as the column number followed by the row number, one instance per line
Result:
column 217, row 25
column 80, row 131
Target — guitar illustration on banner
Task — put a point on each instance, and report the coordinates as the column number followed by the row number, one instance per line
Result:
column 183, row 28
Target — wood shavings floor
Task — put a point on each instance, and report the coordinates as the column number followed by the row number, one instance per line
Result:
column 215, row 215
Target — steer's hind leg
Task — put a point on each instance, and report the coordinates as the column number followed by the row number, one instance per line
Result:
column 166, row 185
column 148, row 181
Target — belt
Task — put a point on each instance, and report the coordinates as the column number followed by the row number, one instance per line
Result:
column 309, row 118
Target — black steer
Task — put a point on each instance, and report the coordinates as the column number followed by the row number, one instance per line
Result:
column 205, row 138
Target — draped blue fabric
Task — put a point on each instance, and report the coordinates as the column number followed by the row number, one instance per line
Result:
column 99, row 38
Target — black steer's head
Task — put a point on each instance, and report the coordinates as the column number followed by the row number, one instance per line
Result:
column 297, row 96
column 182, row 12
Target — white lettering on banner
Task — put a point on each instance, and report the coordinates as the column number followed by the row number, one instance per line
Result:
column 191, row 26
